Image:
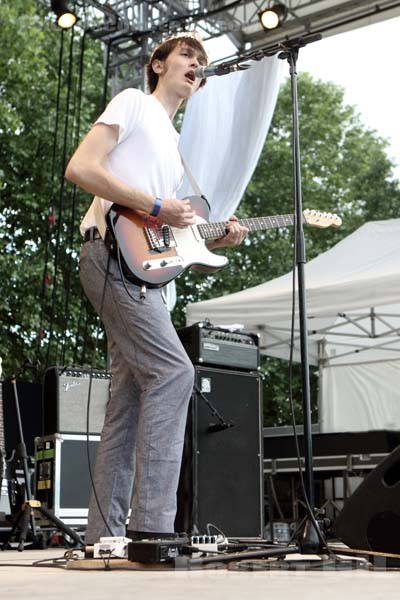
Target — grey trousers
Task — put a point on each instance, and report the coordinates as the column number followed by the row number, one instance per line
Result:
column 139, row 456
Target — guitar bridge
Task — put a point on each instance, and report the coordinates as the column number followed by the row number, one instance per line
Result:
column 159, row 239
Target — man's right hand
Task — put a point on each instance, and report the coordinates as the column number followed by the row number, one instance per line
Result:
column 177, row 213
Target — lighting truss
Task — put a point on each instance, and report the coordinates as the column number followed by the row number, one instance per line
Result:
column 131, row 28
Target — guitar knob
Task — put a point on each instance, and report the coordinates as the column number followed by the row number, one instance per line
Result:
column 163, row 263
column 146, row 266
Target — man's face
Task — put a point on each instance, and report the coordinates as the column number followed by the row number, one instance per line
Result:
column 177, row 71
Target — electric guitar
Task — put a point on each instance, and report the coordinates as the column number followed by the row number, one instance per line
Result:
column 154, row 254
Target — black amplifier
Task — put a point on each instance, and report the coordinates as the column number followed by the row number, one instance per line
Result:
column 209, row 345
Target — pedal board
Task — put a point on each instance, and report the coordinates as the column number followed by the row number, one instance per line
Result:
column 158, row 551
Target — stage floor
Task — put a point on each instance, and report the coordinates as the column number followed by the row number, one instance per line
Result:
column 21, row 579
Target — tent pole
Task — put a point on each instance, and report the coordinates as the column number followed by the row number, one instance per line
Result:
column 321, row 354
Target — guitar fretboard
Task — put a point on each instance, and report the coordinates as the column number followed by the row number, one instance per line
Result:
column 217, row 230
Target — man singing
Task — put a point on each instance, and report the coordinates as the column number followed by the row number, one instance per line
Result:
column 130, row 157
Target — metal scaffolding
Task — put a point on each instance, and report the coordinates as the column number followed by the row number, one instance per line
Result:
column 131, row 28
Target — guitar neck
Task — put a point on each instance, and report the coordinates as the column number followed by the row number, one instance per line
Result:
column 218, row 230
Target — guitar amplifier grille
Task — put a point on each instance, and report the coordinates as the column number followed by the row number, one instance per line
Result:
column 65, row 400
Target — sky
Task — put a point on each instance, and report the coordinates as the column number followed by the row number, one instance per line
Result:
column 365, row 62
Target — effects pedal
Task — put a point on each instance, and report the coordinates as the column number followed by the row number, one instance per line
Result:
column 158, row 551
column 111, row 547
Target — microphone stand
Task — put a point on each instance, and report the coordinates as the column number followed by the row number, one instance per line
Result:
column 222, row 423
column 308, row 537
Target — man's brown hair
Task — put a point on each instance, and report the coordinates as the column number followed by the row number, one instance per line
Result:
column 163, row 50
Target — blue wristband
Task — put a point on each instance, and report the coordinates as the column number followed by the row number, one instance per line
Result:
column 157, row 207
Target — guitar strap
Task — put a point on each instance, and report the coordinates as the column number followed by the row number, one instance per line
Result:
column 190, row 176
column 99, row 217
column 98, row 211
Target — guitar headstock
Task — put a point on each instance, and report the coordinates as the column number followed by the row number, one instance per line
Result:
column 321, row 219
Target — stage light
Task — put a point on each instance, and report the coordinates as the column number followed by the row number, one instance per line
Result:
column 65, row 17
column 273, row 17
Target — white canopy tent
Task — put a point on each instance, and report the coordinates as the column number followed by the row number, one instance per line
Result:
column 353, row 301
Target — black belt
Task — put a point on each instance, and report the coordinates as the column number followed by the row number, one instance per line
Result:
column 91, row 234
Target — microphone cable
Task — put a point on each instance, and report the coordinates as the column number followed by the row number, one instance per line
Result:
column 91, row 475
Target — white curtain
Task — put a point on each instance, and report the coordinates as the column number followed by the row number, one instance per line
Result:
column 223, row 133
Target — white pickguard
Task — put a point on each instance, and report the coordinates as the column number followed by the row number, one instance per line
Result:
column 192, row 249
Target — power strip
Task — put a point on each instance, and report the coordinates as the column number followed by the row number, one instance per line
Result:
column 207, row 544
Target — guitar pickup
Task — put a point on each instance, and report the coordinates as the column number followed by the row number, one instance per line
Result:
column 162, row 263
column 166, row 235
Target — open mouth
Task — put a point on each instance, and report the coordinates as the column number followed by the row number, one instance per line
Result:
column 190, row 76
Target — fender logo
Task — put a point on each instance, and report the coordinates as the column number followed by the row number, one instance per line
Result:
column 69, row 385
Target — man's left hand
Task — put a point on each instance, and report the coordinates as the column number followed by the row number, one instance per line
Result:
column 234, row 237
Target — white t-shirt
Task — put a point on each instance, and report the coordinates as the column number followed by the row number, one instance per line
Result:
column 146, row 156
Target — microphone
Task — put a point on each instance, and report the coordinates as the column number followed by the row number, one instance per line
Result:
column 202, row 72
column 215, row 427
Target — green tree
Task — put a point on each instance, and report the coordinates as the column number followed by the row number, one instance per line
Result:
column 345, row 170
column 344, row 166
column 29, row 59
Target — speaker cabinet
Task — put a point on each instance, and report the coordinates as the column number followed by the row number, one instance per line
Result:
column 66, row 394
column 221, row 476
column 62, row 480
column 370, row 519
